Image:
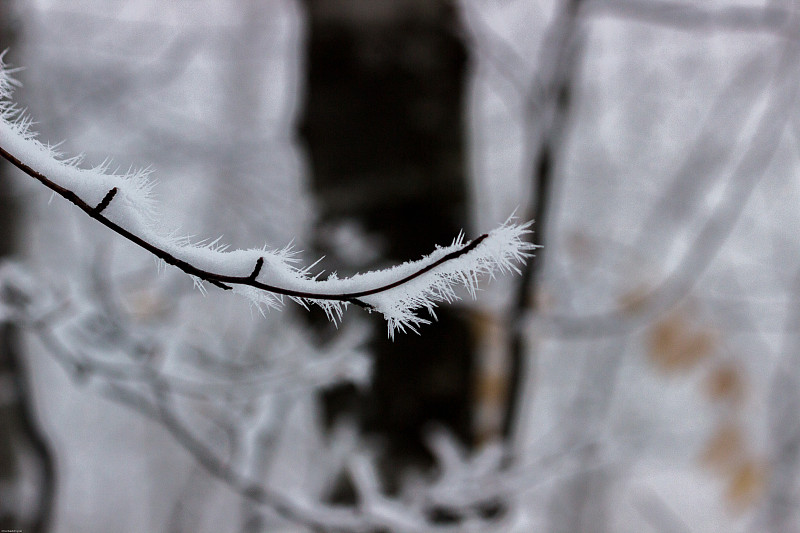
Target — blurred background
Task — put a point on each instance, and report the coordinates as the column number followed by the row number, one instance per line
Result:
column 640, row 375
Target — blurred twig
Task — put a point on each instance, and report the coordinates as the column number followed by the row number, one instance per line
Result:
column 778, row 514
column 718, row 225
column 658, row 514
column 562, row 52
column 696, row 16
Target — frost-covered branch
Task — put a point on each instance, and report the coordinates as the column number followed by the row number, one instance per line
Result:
column 117, row 359
column 123, row 203
column 143, row 385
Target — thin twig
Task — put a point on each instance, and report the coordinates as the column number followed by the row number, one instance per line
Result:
column 223, row 281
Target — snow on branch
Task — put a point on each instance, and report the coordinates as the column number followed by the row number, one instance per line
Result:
column 124, row 204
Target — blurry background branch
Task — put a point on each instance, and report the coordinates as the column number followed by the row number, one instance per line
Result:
column 27, row 463
column 772, row 18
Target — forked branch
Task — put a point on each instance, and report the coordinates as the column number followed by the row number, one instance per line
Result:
column 122, row 203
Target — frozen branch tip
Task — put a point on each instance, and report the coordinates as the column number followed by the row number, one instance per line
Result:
column 124, row 204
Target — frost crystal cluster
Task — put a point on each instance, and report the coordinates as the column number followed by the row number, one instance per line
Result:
column 123, row 202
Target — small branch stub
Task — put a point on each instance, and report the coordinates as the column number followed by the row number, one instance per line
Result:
column 257, row 269
column 105, row 201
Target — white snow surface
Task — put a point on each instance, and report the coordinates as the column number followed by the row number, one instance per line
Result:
column 134, row 209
